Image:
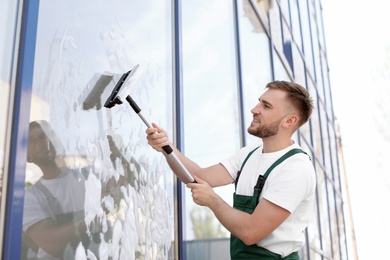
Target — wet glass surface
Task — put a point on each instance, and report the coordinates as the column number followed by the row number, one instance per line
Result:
column 94, row 188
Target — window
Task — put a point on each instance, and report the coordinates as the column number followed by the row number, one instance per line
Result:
column 255, row 61
column 108, row 190
column 210, row 105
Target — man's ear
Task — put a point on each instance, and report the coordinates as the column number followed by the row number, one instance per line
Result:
column 291, row 121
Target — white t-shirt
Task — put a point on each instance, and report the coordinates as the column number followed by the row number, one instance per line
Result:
column 68, row 189
column 290, row 185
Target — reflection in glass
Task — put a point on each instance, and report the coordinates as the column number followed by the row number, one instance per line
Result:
column 53, row 223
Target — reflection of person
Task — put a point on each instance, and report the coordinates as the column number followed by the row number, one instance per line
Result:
column 53, row 208
column 117, row 158
column 126, row 168
column 267, row 220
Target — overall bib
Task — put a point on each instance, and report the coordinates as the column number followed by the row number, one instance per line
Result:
column 238, row 249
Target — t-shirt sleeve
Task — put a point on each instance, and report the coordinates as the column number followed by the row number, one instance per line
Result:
column 292, row 184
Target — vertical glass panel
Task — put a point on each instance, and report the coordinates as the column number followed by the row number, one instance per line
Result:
column 314, row 123
column 317, row 58
column 255, row 60
column 329, row 236
column 318, row 14
column 295, row 23
column 263, row 6
column 299, row 67
column 306, row 32
column 280, row 70
column 285, row 8
column 333, row 213
column 342, row 227
column 210, row 104
column 314, row 228
column 275, row 25
column 287, row 45
column 327, row 87
column 8, row 14
column 333, row 157
column 94, row 188
column 323, row 211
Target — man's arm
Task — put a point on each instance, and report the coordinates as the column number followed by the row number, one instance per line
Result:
column 215, row 175
column 250, row 228
column 53, row 239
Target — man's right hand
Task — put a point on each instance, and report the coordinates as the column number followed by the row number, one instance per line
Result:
column 157, row 137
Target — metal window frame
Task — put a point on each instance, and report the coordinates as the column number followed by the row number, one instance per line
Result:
column 19, row 128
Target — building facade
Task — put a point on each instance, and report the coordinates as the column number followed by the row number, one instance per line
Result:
column 203, row 66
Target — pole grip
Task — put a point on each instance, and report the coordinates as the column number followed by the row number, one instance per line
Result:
column 133, row 104
column 167, row 149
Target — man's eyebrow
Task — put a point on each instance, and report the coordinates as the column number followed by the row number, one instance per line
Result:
column 264, row 101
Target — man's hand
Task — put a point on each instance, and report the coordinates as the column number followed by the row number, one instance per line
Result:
column 157, row 137
column 202, row 193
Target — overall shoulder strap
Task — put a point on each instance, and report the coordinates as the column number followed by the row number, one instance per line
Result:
column 243, row 164
column 281, row 159
column 262, row 178
column 54, row 204
column 247, row 157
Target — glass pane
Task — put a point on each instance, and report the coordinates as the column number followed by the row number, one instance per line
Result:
column 210, row 102
column 295, row 23
column 8, row 13
column 306, row 31
column 93, row 185
column 263, row 7
column 287, row 45
column 275, row 25
column 298, row 65
column 280, row 70
column 255, row 60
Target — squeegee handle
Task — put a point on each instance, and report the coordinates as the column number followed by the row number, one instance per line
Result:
column 168, row 149
column 133, row 104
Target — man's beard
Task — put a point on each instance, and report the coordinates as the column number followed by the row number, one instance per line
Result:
column 264, row 131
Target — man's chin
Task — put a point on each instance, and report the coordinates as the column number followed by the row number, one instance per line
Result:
column 252, row 131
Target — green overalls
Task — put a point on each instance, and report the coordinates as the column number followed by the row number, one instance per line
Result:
column 238, row 249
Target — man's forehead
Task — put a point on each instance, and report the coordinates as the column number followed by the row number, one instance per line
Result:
column 273, row 95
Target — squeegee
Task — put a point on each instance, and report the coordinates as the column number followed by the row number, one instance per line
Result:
column 121, row 92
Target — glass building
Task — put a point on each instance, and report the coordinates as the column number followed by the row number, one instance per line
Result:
column 203, row 65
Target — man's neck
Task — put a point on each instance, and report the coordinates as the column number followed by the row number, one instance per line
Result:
column 271, row 145
column 50, row 171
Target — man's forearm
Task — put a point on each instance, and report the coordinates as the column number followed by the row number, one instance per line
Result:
column 232, row 219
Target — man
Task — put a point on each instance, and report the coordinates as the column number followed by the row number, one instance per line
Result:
column 268, row 219
column 53, row 217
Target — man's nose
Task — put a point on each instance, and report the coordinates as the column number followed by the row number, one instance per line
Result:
column 256, row 109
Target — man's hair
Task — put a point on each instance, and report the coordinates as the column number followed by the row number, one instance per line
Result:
column 298, row 96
